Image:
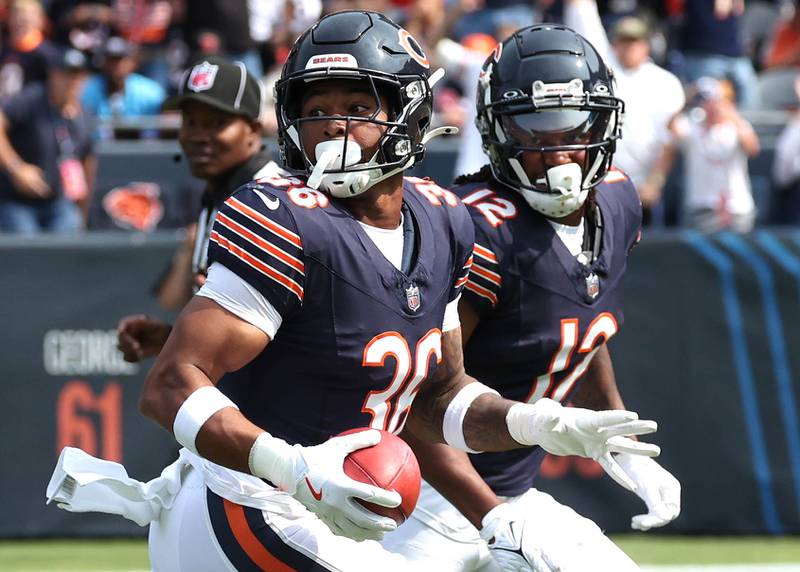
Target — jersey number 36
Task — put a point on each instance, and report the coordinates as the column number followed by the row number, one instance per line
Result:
column 389, row 407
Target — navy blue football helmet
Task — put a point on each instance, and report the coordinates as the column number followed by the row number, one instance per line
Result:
column 369, row 47
column 546, row 89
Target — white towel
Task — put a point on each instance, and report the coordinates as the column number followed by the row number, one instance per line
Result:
column 82, row 483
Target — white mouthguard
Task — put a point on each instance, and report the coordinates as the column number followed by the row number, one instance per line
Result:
column 330, row 152
column 565, row 179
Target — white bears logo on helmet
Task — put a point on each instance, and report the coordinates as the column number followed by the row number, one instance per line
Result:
column 332, row 61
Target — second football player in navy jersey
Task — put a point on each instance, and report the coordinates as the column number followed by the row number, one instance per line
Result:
column 554, row 226
column 330, row 304
column 540, row 317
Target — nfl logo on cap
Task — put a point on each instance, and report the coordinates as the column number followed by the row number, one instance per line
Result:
column 413, row 298
column 202, row 77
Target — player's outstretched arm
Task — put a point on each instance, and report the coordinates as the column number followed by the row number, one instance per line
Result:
column 179, row 393
column 205, row 343
column 454, row 408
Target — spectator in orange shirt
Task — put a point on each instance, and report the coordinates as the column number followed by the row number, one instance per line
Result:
column 784, row 49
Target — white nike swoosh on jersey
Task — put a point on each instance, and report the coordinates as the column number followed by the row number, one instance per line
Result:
column 272, row 203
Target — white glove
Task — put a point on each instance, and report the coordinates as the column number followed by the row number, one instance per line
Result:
column 656, row 486
column 575, row 431
column 535, row 532
column 523, row 536
column 512, row 542
column 315, row 477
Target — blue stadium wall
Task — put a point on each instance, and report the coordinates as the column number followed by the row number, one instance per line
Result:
column 709, row 348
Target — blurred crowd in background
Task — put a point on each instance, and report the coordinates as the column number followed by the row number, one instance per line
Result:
column 696, row 76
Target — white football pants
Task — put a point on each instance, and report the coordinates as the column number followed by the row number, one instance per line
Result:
column 202, row 532
column 437, row 528
column 244, row 526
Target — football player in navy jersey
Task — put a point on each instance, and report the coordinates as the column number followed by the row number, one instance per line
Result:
column 554, row 226
column 331, row 303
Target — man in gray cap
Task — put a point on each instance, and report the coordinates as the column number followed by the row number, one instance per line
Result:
column 221, row 107
column 47, row 163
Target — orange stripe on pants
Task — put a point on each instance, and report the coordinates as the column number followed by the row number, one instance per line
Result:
column 248, row 541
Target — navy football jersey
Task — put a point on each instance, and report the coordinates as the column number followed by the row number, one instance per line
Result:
column 357, row 335
column 543, row 314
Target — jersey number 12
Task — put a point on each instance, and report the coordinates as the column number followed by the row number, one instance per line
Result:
column 602, row 328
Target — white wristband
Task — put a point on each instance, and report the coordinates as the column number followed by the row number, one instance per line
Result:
column 274, row 459
column 453, row 425
column 526, row 421
column 195, row 411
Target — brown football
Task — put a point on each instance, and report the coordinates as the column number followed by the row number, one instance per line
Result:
column 391, row 465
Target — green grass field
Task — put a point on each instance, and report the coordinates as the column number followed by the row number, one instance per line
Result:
column 131, row 555
column 651, row 549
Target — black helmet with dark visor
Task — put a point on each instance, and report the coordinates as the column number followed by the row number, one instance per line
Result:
column 546, row 89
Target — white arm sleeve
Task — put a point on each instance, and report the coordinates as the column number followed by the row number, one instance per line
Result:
column 234, row 294
column 451, row 321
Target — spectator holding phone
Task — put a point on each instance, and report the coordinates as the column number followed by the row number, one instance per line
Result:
column 716, row 142
column 46, row 152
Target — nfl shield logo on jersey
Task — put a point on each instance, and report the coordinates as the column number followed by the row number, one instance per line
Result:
column 202, row 77
column 413, row 297
column 592, row 285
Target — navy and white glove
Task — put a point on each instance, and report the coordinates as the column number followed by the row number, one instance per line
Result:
column 652, row 483
column 315, row 476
